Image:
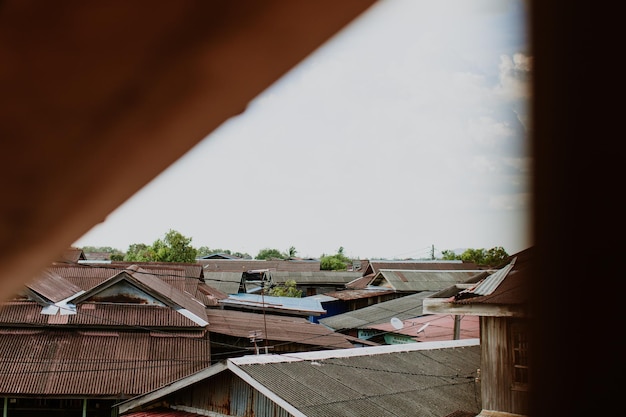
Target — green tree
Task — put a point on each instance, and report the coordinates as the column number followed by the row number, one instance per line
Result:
column 117, row 256
column 292, row 252
column 336, row 262
column 174, row 247
column 483, row 257
column 204, row 251
column 242, row 255
column 267, row 254
column 287, row 290
column 139, row 252
column 448, row 255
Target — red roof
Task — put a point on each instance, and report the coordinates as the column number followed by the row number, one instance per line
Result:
column 438, row 327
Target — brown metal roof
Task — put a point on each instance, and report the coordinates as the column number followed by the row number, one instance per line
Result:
column 152, row 285
column 191, row 269
column 279, row 328
column 208, row 295
column 422, row 280
column 82, row 363
column 96, row 314
column 83, row 276
column 438, row 327
column 72, row 255
column 242, row 265
column 359, row 283
column 339, row 278
column 184, row 277
column 375, row 266
column 512, row 288
column 52, row 286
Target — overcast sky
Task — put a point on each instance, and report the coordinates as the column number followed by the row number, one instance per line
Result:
column 406, row 131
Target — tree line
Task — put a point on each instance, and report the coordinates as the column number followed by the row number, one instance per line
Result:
column 175, row 247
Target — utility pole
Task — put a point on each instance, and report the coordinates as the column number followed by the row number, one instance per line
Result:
column 457, row 327
column 263, row 303
column 432, row 253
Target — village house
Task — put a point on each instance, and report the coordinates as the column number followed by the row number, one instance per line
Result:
column 387, row 285
column 402, row 320
column 418, row 379
column 502, row 301
column 67, row 349
column 128, row 328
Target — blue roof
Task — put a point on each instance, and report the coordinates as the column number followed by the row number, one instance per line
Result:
column 307, row 305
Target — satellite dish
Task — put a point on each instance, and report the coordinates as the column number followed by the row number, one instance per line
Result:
column 421, row 329
column 396, row 323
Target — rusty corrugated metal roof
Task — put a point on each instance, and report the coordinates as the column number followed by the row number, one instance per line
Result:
column 237, row 265
column 315, row 277
column 152, row 285
column 96, row 314
column 510, row 286
column 437, row 327
column 53, row 287
column 359, row 283
column 421, row 280
column 115, row 364
column 376, row 265
column 86, row 276
column 72, row 255
column 279, row 328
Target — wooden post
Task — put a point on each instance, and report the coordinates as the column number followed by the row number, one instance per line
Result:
column 457, row 327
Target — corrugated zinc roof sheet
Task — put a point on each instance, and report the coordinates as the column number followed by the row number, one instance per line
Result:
column 279, row 328
column 152, row 285
column 406, row 307
column 226, row 282
column 237, row 265
column 510, row 286
column 300, row 306
column 434, row 327
column 376, row 265
column 415, row 281
column 347, row 295
column 97, row 314
column 339, row 278
column 52, row 286
column 82, row 363
column 428, row 382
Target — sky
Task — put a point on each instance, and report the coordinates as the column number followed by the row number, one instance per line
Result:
column 406, row 133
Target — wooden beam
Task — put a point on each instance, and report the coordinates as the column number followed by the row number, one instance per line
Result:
column 98, row 98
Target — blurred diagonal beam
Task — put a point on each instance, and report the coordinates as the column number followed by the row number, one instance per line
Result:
column 98, row 98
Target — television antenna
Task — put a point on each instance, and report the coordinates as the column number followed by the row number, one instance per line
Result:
column 421, row 329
